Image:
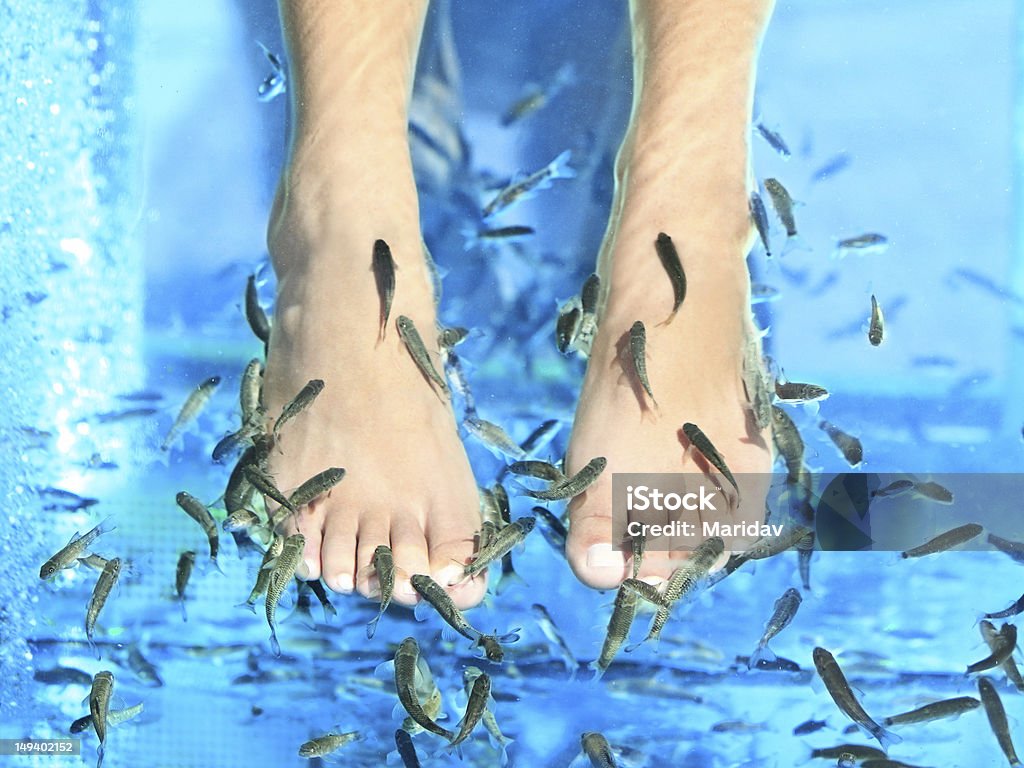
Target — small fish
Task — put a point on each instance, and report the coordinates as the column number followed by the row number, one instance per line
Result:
column 669, row 257
column 552, row 528
column 1013, row 610
column 264, row 483
column 182, row 574
column 263, row 574
column 298, row 404
column 809, row 726
column 327, row 744
column 503, row 542
column 598, row 750
column 101, row 591
column 195, row 509
column 876, row 328
column 406, row 749
column 242, row 520
column 638, row 351
column 435, row 595
column 316, row 486
column 449, row 338
column 986, row 283
column 407, row 331
column 590, row 294
column 469, row 678
column 832, row 166
column 868, row 243
column 384, row 273
column 935, row 711
column 848, row 445
column 575, row 485
column 494, row 437
column 760, row 218
column 99, row 708
column 254, row 314
column 701, row 442
column 67, row 556
column 766, row 547
column 59, row 499
column 542, row 470
column 835, row 682
column 994, row 639
column 62, row 676
column 460, row 384
column 475, row 708
column 638, row 543
column 997, row 718
column 618, row 630
column 503, row 233
column 143, row 669
column 784, row 612
column 796, row 392
column 114, row 717
column 555, row 638
column 568, row 325
column 944, row 541
column 283, row 570
column 405, row 683
column 1014, row 549
column 1002, row 645
column 783, row 205
column 934, row 492
column 275, row 83
column 684, row 581
column 894, row 488
column 522, row 190
column 757, row 384
column 250, row 395
column 775, row 141
column 384, row 567
column 195, row 402
column 537, row 98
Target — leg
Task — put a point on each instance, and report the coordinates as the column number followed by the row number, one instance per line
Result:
column 683, row 169
column 348, row 181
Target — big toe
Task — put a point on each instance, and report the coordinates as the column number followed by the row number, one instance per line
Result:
column 590, row 553
column 447, row 560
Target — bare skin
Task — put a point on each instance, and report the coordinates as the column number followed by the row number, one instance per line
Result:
column 349, row 181
column 683, row 169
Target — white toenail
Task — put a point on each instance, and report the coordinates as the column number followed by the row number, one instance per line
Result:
column 343, row 582
column 303, row 570
column 449, row 576
column 603, row 556
column 405, row 589
column 655, row 581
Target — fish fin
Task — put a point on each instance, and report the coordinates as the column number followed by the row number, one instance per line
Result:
column 598, row 671
column 796, row 243
column 509, row 579
column 887, row 738
column 275, row 646
column 385, row 670
column 449, row 634
column 216, row 565
column 512, row 636
column 184, row 614
column 371, row 626
column 269, row 565
column 761, row 653
column 422, row 610
column 99, row 756
column 247, row 604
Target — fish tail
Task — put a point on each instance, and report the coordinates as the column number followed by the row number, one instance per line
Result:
column 509, row 579
column 274, row 644
column 247, row 604
column 560, row 168
column 99, row 756
column 598, row 670
column 216, row 565
column 511, row 636
column 371, row 627
column 761, row 653
column 184, row 615
column 887, row 738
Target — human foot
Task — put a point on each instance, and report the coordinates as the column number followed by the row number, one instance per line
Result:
column 408, row 483
column 683, row 170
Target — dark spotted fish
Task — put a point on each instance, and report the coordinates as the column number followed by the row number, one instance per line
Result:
column 598, row 750
column 254, row 314
column 502, row 233
column 683, row 582
column 876, row 328
column 701, row 442
column 1013, row 610
column 418, row 352
column 618, row 630
column 783, row 205
column 775, row 141
column 406, row 749
column 327, row 744
column 997, row 718
column 195, row 402
column 1001, row 644
column 848, row 445
column 298, row 404
column 575, row 485
column 503, row 542
column 101, row 591
column 784, row 612
column 638, row 351
column 760, row 217
column 183, row 572
column 993, row 639
column 316, row 486
column 567, row 326
column 282, row 572
column 78, row 545
column 937, row 710
column 835, row 683
column 405, row 683
column 669, row 257
column 542, row 470
column 948, row 540
column 384, row 566
column 796, row 392
column 99, row 708
column 264, row 483
column 590, row 294
column 475, row 708
column 384, row 273
column 868, row 243
column 195, row 509
column 521, row 190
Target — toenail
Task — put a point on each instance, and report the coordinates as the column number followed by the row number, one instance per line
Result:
column 303, row 570
column 449, row 576
column 603, row 556
column 654, row 581
column 406, row 589
column 343, row 583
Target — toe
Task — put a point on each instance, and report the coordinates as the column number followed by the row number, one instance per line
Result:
column 338, row 553
column 311, row 527
column 590, row 553
column 409, row 549
column 447, row 561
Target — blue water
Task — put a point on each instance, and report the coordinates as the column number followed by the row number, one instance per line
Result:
column 123, row 129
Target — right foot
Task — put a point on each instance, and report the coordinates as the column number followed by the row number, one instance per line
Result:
column 408, row 482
